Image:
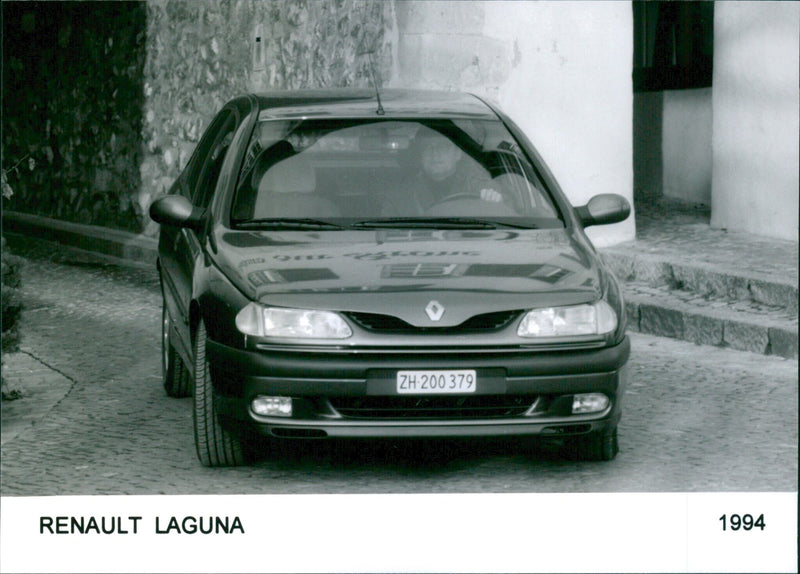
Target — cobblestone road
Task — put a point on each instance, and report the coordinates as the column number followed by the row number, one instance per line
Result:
column 95, row 420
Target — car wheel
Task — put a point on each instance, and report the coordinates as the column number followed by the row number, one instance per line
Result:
column 176, row 379
column 216, row 446
column 601, row 445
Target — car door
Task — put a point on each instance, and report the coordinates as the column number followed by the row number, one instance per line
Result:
column 180, row 249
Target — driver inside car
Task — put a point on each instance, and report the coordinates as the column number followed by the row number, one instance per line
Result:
column 443, row 174
column 443, row 171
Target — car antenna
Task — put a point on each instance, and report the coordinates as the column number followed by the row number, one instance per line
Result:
column 380, row 111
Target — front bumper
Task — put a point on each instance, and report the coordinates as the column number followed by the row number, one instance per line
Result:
column 352, row 393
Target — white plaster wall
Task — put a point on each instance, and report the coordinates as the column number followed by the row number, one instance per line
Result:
column 561, row 69
column 756, row 127
column 686, row 150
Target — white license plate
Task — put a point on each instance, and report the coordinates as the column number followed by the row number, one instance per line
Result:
column 436, row 382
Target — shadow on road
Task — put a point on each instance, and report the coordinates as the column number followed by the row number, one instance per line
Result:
column 400, row 456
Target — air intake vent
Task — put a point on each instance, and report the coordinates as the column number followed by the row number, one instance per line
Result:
column 390, row 324
column 453, row 407
column 489, row 321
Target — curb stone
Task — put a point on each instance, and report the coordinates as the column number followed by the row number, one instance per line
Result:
column 110, row 243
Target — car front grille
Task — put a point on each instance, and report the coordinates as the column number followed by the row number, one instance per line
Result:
column 435, row 407
column 389, row 324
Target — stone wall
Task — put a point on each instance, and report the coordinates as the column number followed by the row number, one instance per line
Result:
column 201, row 53
column 72, row 109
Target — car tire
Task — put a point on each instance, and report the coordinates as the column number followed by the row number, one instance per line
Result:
column 599, row 445
column 216, row 445
column 176, row 379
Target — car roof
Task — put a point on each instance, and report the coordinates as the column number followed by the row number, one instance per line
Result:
column 355, row 103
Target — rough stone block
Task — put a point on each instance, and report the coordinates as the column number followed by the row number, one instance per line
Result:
column 774, row 294
column 621, row 265
column 783, row 343
column 632, row 315
column 661, row 321
column 690, row 278
column 703, row 330
column 736, row 287
column 707, row 282
column 746, row 337
column 653, row 271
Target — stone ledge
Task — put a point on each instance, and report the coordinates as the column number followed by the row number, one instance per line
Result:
column 100, row 240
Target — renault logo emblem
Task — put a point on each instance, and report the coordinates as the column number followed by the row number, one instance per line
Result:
column 435, row 310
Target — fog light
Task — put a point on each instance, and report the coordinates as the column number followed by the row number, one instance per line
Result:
column 272, row 406
column 589, row 403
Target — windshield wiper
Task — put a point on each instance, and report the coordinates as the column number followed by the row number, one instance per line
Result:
column 436, row 222
column 287, row 223
column 414, row 222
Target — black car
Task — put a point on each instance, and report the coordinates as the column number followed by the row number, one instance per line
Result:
column 401, row 264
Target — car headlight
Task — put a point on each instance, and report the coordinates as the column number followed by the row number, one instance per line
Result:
column 595, row 319
column 260, row 321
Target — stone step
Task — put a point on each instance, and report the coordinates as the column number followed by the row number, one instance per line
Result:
column 706, row 279
column 745, row 325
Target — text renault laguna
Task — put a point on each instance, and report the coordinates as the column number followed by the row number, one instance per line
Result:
column 343, row 264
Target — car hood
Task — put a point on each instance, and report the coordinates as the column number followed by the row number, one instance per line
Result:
column 400, row 272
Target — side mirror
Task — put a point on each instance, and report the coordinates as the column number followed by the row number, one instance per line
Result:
column 177, row 211
column 604, row 209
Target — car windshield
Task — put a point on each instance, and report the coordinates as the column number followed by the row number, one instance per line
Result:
column 366, row 173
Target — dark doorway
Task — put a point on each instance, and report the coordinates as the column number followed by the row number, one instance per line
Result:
column 673, row 51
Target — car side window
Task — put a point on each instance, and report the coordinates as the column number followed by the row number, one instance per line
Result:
column 195, row 165
column 196, row 170
column 212, row 163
